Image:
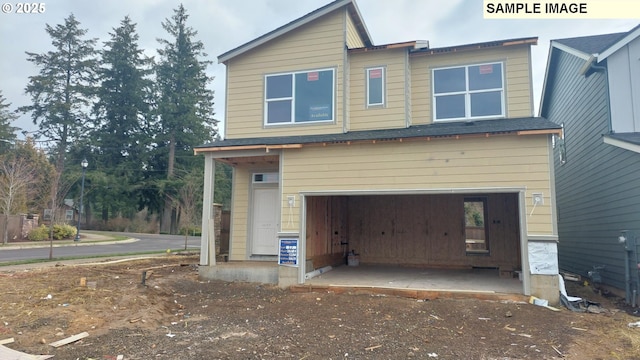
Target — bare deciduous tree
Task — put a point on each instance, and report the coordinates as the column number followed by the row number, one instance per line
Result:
column 189, row 196
column 16, row 175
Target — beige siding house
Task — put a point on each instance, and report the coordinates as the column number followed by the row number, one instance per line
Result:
column 402, row 154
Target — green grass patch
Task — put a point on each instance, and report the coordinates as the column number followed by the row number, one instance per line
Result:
column 66, row 258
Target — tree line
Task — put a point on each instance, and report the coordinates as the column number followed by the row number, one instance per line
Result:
column 134, row 118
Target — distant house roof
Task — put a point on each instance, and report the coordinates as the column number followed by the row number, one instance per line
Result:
column 629, row 141
column 521, row 126
column 632, row 137
column 351, row 7
column 598, row 46
column 592, row 49
column 592, row 44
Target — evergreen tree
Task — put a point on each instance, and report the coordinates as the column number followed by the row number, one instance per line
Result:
column 185, row 107
column 7, row 132
column 62, row 91
column 123, row 111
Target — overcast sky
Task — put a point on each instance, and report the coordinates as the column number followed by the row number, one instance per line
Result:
column 225, row 24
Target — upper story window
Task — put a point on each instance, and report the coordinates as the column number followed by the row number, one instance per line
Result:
column 299, row 97
column 375, row 86
column 468, row 92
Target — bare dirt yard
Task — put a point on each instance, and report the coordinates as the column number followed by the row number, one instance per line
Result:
column 176, row 316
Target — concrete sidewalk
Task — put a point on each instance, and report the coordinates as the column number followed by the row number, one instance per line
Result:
column 86, row 239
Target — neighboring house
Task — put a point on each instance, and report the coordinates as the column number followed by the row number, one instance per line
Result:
column 592, row 89
column 401, row 153
column 65, row 213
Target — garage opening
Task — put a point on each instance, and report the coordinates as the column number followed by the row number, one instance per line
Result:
column 440, row 241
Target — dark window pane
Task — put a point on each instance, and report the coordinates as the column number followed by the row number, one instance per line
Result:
column 279, row 86
column 449, row 80
column 450, row 107
column 375, row 86
column 279, row 111
column 488, row 76
column 314, row 96
column 486, row 103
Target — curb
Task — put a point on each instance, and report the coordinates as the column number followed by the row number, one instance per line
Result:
column 46, row 244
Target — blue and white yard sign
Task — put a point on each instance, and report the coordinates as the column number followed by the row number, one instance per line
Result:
column 288, row 254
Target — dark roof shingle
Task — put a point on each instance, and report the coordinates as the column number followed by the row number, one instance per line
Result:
column 498, row 126
column 631, row 137
column 594, row 44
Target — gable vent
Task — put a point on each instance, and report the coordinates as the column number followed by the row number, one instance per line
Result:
column 265, row 178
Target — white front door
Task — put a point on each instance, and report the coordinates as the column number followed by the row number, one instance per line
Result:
column 265, row 222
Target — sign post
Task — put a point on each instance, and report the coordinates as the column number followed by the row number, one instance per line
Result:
column 288, row 254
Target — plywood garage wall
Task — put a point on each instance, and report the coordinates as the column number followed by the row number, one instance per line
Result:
column 428, row 230
column 326, row 234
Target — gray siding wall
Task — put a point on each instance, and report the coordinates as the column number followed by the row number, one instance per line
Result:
column 598, row 189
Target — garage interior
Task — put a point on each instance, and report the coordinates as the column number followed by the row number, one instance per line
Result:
column 468, row 242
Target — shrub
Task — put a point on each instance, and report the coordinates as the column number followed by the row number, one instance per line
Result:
column 192, row 230
column 39, row 234
column 60, row 231
column 64, row 231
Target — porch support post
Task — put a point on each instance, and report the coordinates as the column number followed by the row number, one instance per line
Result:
column 302, row 248
column 208, row 237
column 524, row 244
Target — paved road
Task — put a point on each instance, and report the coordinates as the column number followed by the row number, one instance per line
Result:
column 145, row 243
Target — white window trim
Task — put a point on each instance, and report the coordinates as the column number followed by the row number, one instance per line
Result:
column 384, row 83
column 293, row 102
column 467, row 93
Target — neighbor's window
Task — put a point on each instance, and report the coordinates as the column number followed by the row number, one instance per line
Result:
column 475, row 230
column 467, row 92
column 299, row 97
column 69, row 215
column 375, row 86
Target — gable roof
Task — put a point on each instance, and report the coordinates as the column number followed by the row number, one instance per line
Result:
column 598, row 46
column 520, row 126
column 351, row 7
column 594, row 48
column 591, row 44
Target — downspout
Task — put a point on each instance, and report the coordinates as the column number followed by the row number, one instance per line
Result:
column 590, row 65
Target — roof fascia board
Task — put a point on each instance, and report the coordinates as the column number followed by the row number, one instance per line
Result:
column 544, row 84
column 285, row 29
column 267, row 148
column 391, row 46
column 621, row 144
column 570, row 50
column 474, row 46
column 618, row 45
column 364, row 25
column 427, row 138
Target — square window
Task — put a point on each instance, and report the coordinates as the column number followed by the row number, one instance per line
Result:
column 299, row 97
column 449, row 80
column 468, row 92
column 279, row 86
column 483, row 77
column 450, row 106
column 486, row 103
column 279, row 111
